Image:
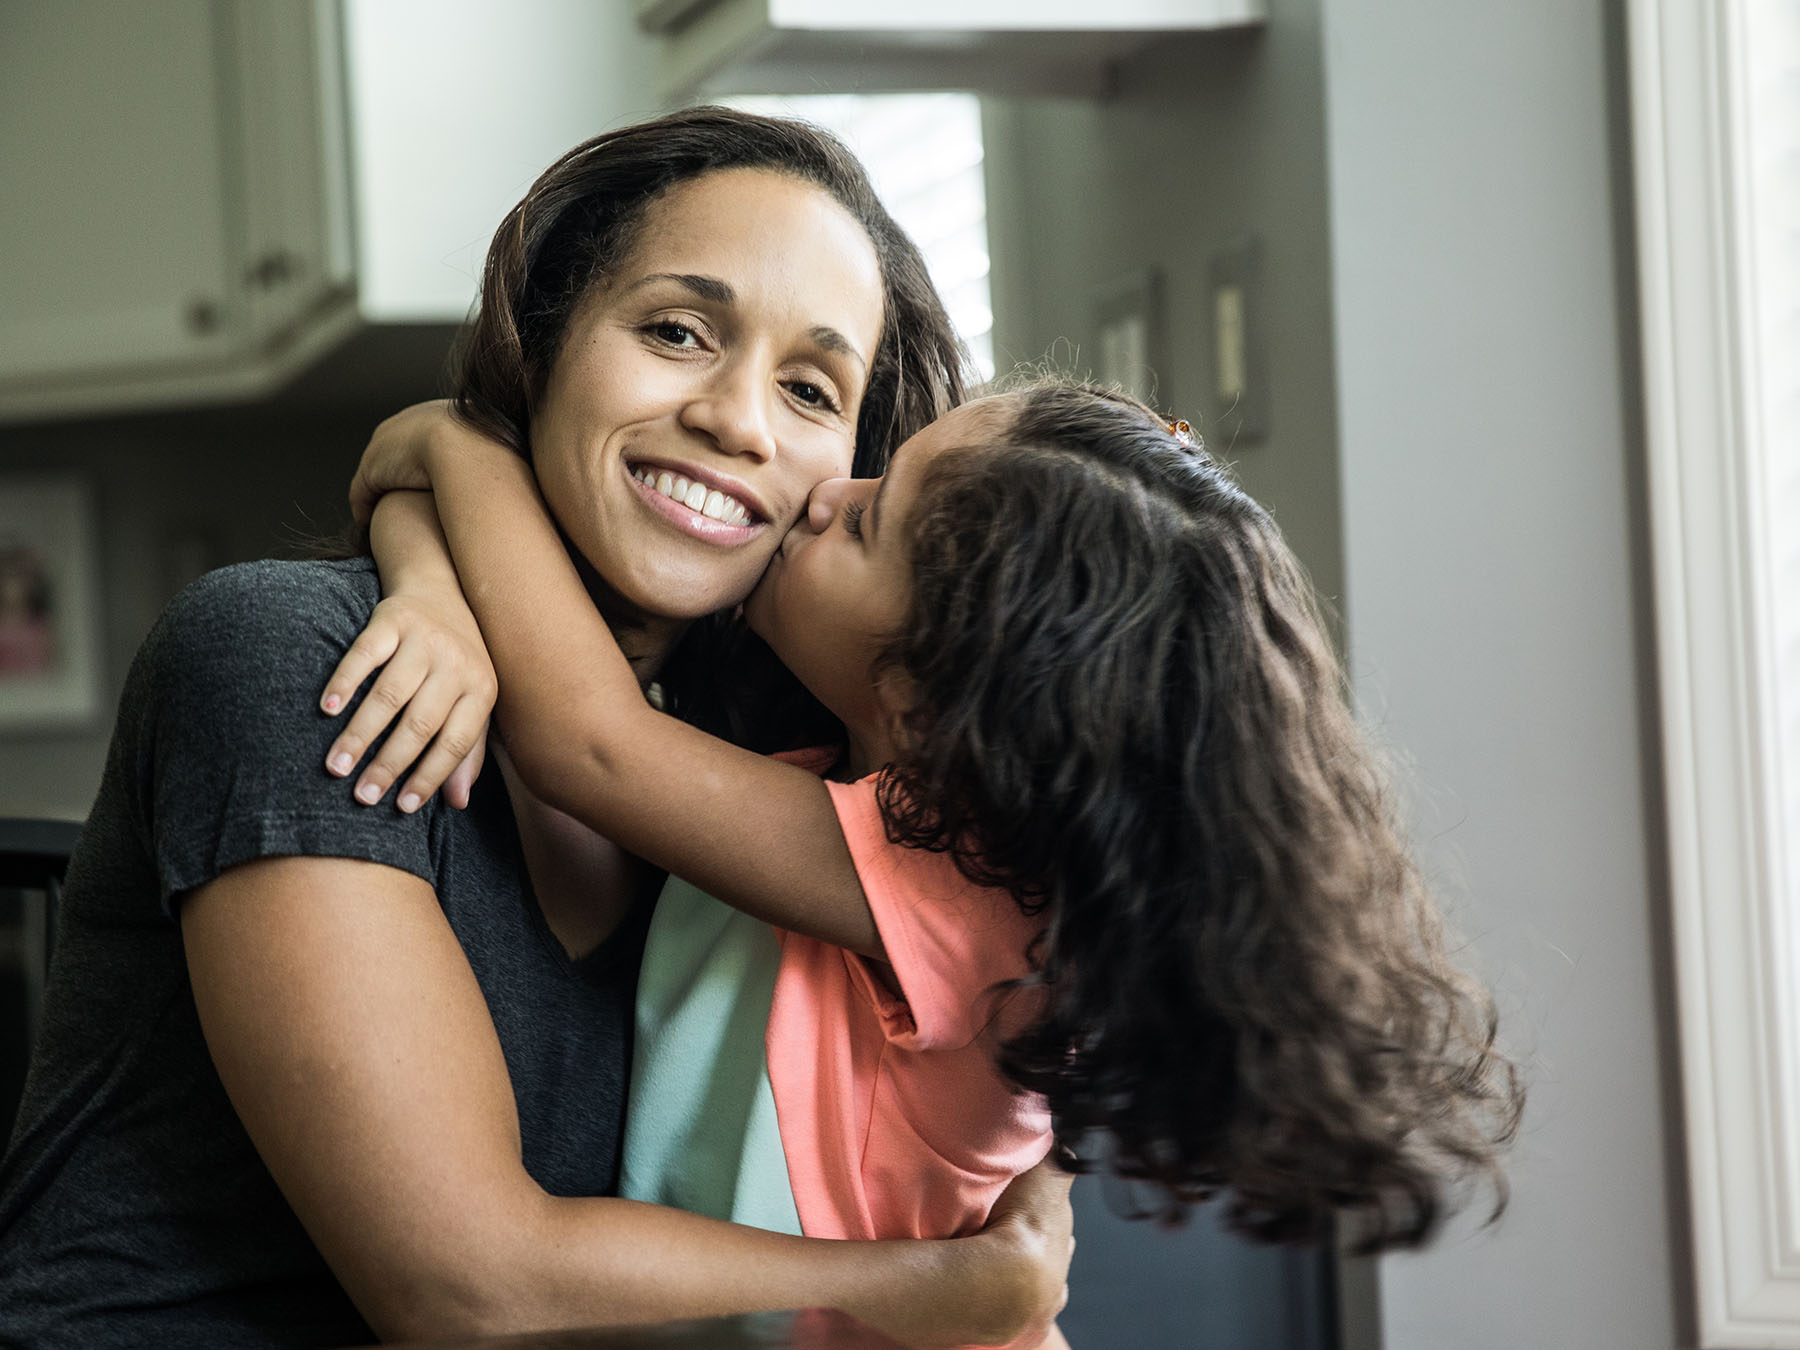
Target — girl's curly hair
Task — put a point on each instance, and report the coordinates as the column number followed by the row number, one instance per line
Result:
column 1129, row 714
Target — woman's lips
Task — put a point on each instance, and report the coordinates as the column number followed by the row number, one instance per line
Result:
column 730, row 522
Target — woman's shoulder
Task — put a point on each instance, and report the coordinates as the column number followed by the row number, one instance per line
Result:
column 275, row 593
column 265, row 625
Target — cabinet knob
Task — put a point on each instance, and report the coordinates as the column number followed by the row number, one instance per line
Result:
column 202, row 316
column 272, row 270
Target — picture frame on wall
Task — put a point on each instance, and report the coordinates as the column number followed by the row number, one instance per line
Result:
column 1128, row 317
column 49, row 620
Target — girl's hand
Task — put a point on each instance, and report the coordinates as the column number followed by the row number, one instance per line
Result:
column 436, row 689
column 396, row 456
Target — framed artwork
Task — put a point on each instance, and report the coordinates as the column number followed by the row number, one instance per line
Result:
column 49, row 624
column 1128, row 317
column 1240, row 363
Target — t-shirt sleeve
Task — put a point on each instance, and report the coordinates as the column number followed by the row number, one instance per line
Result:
column 948, row 940
column 229, row 742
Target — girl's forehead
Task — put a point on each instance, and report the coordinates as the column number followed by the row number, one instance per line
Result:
column 977, row 422
column 978, row 419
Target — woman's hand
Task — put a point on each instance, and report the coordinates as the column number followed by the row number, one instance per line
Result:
column 397, row 454
column 1034, row 1215
column 1001, row 1286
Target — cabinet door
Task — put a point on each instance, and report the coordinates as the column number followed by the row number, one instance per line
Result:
column 287, row 160
column 115, row 253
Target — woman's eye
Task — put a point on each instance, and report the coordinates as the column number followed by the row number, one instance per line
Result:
column 673, row 333
column 812, row 395
column 853, row 513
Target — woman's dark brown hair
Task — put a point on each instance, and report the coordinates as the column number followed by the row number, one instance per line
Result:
column 1129, row 714
column 576, row 224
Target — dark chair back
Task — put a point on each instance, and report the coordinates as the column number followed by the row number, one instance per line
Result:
column 34, row 857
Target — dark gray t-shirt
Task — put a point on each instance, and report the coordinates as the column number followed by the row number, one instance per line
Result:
column 133, row 1208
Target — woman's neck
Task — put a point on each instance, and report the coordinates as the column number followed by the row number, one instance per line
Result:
column 646, row 645
column 646, row 639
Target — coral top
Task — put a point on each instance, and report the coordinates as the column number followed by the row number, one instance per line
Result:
column 895, row 1120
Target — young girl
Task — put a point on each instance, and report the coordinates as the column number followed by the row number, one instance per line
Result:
column 1103, row 856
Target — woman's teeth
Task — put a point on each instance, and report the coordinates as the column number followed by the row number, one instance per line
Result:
column 709, row 502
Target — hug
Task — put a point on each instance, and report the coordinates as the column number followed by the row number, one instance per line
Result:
column 894, row 801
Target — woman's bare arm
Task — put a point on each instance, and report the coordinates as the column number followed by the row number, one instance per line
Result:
column 356, row 1046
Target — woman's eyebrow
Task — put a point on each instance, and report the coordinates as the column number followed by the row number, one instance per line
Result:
column 711, row 289
column 829, row 339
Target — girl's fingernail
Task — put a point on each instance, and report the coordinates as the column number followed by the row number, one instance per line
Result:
column 368, row 793
column 340, row 763
column 409, row 801
column 332, row 703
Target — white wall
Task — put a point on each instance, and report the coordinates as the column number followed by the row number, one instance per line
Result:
column 1490, row 470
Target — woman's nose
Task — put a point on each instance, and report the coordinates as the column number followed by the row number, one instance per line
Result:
column 826, row 501
column 733, row 410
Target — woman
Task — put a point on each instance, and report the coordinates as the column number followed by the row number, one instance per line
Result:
column 310, row 1072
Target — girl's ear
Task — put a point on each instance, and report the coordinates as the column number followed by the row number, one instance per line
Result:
column 896, row 695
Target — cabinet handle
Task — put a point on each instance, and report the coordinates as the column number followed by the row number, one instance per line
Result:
column 203, row 317
column 272, row 270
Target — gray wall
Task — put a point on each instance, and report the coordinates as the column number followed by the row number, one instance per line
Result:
column 1207, row 140
column 1492, row 477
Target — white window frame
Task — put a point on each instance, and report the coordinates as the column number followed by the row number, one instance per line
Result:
column 1734, row 939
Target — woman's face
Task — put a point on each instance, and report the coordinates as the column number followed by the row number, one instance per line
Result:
column 707, row 385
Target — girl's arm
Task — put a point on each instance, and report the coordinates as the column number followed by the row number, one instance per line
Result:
column 355, row 1044
column 436, row 686
column 757, row 833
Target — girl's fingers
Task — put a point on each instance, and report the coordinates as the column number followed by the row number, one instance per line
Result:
column 463, row 730
column 399, row 682
column 424, row 715
column 362, row 499
column 460, row 785
column 373, row 647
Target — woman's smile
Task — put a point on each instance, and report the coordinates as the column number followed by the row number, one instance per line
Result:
column 700, row 502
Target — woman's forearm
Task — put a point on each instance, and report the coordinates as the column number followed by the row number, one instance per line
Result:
column 661, row 1263
column 354, row 1042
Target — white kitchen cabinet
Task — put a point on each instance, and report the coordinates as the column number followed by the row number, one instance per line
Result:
column 866, row 46
column 167, row 218
column 198, row 198
column 455, row 106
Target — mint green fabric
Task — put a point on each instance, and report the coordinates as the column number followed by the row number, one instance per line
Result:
column 700, row 1127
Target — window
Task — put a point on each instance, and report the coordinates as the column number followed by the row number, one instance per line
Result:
column 924, row 156
column 1716, row 126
